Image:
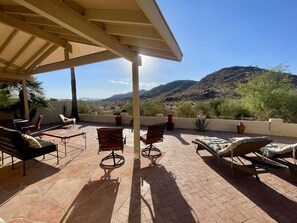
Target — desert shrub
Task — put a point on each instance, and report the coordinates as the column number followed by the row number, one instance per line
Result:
column 152, row 109
column 215, row 106
column 202, row 108
column 128, row 106
column 185, row 110
column 234, row 110
column 88, row 108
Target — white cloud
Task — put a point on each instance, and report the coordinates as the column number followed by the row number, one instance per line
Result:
column 123, row 82
column 142, row 85
column 148, row 85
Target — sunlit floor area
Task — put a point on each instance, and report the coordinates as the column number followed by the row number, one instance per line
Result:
column 182, row 186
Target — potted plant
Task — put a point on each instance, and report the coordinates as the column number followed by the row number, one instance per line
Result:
column 118, row 118
column 169, row 124
column 240, row 128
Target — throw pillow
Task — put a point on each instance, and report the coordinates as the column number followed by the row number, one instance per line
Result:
column 31, row 141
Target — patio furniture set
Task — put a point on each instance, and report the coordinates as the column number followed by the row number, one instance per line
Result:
column 14, row 141
column 266, row 154
column 111, row 139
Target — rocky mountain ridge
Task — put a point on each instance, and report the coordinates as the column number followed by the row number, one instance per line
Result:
column 219, row 84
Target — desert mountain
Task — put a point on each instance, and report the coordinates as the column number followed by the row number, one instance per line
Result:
column 219, row 84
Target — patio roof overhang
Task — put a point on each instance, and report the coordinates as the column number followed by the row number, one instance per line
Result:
column 43, row 36
column 36, row 34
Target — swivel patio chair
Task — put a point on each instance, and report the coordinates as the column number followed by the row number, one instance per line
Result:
column 237, row 147
column 154, row 134
column 33, row 127
column 111, row 139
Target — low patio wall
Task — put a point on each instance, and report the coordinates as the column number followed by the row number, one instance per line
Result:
column 271, row 127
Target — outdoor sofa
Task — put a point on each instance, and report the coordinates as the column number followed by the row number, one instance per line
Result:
column 24, row 147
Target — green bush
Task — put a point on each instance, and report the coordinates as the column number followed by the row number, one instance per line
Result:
column 185, row 110
column 202, row 108
column 232, row 109
column 152, row 109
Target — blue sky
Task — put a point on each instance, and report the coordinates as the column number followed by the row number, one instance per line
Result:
column 212, row 34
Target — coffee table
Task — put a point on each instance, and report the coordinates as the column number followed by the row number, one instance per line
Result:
column 65, row 135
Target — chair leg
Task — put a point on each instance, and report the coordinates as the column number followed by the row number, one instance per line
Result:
column 57, row 156
column 118, row 160
column 12, row 165
column 147, row 152
column 24, row 168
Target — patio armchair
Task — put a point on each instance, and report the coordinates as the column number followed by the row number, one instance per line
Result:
column 66, row 121
column 33, row 127
column 111, row 139
column 237, row 147
column 154, row 134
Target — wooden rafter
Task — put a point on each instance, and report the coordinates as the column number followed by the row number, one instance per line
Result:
column 8, row 40
column 63, row 15
column 41, row 58
column 140, row 32
column 25, row 46
column 32, row 30
column 118, row 16
column 83, row 60
column 14, row 76
column 34, row 56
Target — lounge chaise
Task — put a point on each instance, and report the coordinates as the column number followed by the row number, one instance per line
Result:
column 274, row 151
column 66, row 121
column 234, row 147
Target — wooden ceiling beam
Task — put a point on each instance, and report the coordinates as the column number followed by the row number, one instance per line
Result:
column 34, row 56
column 153, row 13
column 118, row 16
column 154, row 53
column 19, row 53
column 83, row 60
column 139, row 32
column 41, row 58
column 8, row 40
column 161, row 45
column 32, row 30
column 60, row 13
column 15, row 76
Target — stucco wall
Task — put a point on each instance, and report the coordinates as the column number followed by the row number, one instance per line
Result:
column 271, row 127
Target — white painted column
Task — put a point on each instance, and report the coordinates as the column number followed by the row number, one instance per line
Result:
column 136, row 109
column 25, row 98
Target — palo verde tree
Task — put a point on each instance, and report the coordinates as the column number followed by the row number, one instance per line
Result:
column 270, row 94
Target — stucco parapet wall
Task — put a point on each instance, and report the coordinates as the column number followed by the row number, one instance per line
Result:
column 271, row 127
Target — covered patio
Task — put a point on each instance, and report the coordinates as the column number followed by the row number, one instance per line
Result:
column 182, row 187
column 43, row 36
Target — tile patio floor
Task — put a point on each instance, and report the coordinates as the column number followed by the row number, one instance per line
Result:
column 184, row 187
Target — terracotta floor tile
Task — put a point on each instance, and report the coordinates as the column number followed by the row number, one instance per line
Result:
column 183, row 187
